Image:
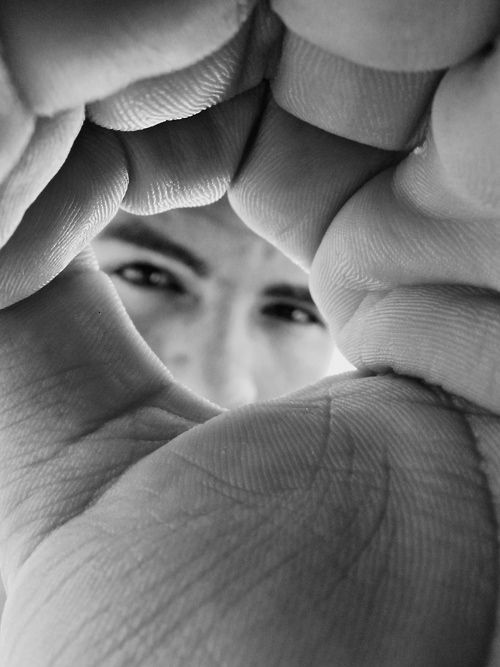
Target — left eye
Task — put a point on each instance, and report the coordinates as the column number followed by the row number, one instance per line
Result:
column 292, row 313
column 149, row 276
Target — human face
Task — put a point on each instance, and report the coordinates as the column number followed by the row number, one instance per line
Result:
column 228, row 314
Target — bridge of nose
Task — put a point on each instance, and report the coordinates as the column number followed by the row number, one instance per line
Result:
column 228, row 352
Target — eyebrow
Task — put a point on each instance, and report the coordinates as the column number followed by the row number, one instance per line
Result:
column 287, row 291
column 137, row 232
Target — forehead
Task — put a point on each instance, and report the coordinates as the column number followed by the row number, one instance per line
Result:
column 231, row 250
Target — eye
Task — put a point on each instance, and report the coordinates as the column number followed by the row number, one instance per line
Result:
column 149, row 276
column 293, row 313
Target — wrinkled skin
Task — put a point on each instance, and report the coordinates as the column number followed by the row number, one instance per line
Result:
column 353, row 523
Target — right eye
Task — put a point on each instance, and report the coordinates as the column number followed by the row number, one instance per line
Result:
column 149, row 276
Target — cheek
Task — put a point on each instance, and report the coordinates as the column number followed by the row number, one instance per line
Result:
column 165, row 327
column 297, row 360
column 171, row 339
column 138, row 303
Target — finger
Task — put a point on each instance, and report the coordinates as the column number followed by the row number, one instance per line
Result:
column 240, row 64
column 42, row 158
column 82, row 398
column 175, row 164
column 486, row 434
column 408, row 226
column 294, row 179
column 393, row 34
column 372, row 106
column 430, row 221
column 189, row 162
column 466, row 106
column 16, row 123
column 62, row 55
column 446, row 335
column 77, row 203
column 240, row 523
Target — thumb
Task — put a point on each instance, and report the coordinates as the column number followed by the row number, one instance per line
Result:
column 81, row 399
column 65, row 54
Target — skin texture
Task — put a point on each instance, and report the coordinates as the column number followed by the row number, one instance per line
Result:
column 227, row 328
column 351, row 523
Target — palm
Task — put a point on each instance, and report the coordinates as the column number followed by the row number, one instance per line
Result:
column 349, row 524
column 352, row 523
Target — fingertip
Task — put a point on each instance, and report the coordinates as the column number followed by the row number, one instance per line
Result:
column 77, row 202
column 364, row 104
column 45, row 153
column 466, row 128
column 189, row 162
column 397, row 35
column 239, row 65
column 17, row 123
column 295, row 178
column 446, row 335
column 84, row 261
column 67, row 54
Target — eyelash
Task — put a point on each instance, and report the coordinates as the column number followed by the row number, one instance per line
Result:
column 141, row 274
column 294, row 313
column 149, row 276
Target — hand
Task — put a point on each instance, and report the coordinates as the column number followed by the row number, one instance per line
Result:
column 349, row 524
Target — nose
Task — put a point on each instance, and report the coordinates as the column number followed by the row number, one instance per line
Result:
column 228, row 358
column 216, row 359
column 228, row 368
column 231, row 386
